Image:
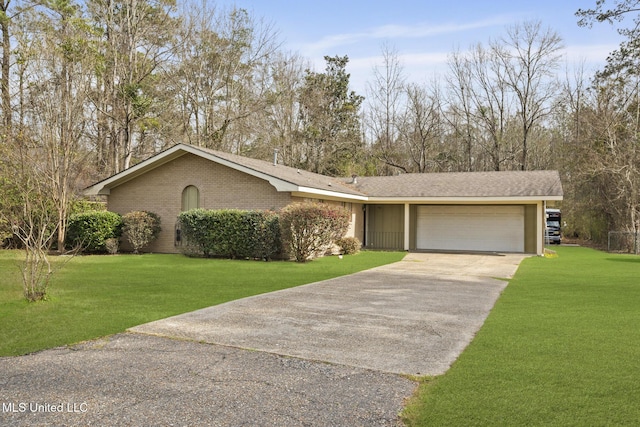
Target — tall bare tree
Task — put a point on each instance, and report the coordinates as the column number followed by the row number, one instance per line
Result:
column 611, row 157
column 420, row 131
column 481, row 84
column 530, row 55
column 281, row 127
column 460, row 111
column 502, row 93
column 386, row 97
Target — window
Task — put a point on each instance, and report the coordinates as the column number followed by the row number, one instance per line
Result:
column 190, row 198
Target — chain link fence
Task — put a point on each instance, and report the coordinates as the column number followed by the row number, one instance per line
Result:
column 624, row 242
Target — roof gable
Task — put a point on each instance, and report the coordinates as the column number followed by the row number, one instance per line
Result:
column 283, row 178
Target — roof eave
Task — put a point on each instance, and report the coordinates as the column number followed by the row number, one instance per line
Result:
column 328, row 194
column 462, row 200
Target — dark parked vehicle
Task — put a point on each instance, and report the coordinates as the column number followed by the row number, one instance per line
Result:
column 552, row 233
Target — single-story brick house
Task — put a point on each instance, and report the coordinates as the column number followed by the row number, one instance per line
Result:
column 470, row 211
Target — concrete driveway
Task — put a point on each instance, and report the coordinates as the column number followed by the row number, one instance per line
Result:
column 411, row 317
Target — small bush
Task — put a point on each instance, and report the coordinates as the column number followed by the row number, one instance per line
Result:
column 90, row 230
column 141, row 228
column 309, row 229
column 112, row 245
column 349, row 245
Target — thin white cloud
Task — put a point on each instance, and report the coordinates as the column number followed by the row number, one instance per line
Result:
column 394, row 31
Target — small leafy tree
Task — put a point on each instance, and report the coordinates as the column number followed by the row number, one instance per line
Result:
column 309, row 229
column 141, row 228
column 35, row 227
column 31, row 217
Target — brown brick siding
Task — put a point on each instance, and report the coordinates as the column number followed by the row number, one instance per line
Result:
column 220, row 187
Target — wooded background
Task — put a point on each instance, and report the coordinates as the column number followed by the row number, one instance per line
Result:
column 90, row 88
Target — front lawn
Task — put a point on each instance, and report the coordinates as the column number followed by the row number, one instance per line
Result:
column 94, row 296
column 560, row 348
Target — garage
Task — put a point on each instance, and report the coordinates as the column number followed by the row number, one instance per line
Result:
column 493, row 228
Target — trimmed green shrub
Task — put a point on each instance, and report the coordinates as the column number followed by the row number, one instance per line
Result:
column 90, row 230
column 230, row 233
column 141, row 228
column 349, row 245
column 268, row 243
column 310, row 229
column 195, row 226
column 259, row 235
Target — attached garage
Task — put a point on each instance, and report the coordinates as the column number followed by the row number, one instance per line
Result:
column 471, row 228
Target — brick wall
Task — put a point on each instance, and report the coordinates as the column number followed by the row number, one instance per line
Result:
column 220, row 187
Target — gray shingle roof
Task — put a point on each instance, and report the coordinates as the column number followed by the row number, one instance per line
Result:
column 464, row 184
column 452, row 184
column 534, row 184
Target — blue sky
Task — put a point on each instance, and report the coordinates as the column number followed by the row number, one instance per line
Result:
column 422, row 32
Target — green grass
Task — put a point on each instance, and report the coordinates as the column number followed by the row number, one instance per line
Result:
column 94, row 296
column 560, row 348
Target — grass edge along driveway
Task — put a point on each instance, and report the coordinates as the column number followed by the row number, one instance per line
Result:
column 95, row 296
column 560, row 348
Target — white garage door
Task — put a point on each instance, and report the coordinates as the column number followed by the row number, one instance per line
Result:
column 473, row 228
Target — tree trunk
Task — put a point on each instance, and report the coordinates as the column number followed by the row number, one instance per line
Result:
column 6, row 61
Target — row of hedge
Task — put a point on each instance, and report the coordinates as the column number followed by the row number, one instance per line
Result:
column 300, row 231
column 230, row 233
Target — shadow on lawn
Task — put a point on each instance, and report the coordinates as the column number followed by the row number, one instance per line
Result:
column 630, row 258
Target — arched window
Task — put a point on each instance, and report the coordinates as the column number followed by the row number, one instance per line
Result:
column 190, row 198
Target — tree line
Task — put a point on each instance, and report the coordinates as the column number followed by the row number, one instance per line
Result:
column 90, row 88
